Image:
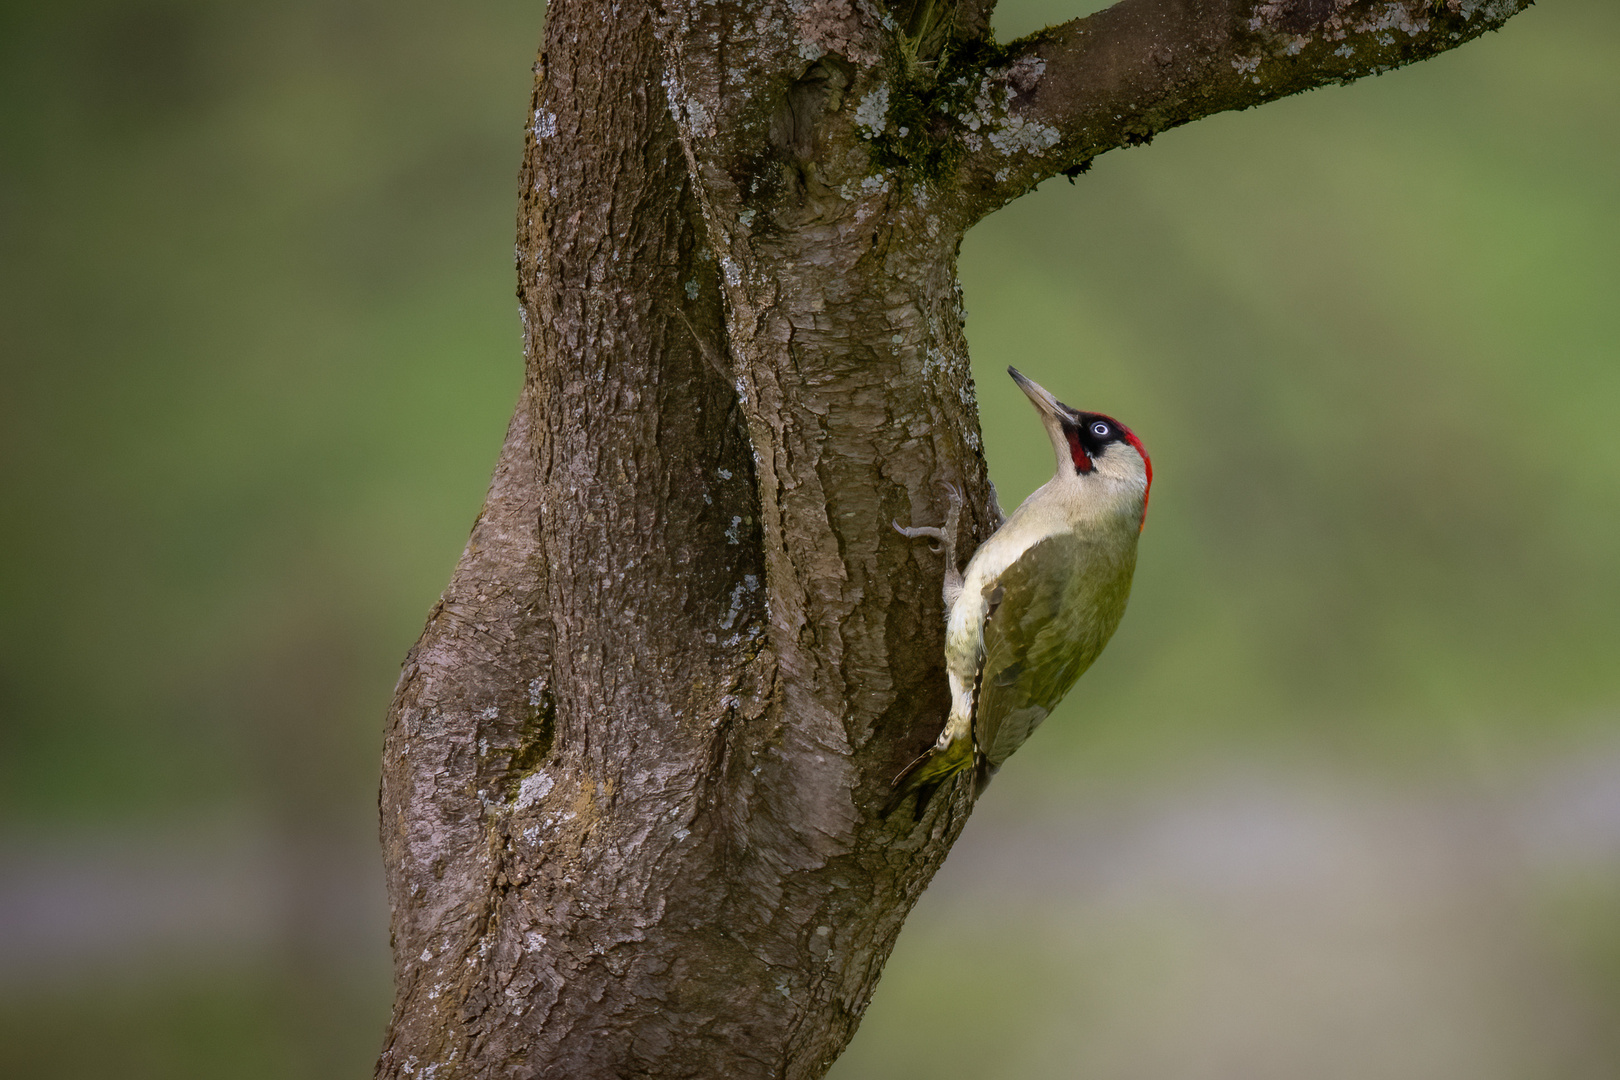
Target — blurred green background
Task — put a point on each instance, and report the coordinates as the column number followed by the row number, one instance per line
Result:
column 1342, row 799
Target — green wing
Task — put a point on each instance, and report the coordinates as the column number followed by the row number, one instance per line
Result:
column 1059, row 604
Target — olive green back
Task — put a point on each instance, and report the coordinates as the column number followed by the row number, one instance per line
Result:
column 1060, row 602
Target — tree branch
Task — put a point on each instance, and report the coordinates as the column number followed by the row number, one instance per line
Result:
column 1118, row 77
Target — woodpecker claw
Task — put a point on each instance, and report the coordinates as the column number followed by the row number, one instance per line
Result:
column 920, row 531
column 944, row 541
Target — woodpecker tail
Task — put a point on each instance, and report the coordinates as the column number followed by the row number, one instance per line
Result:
column 983, row 772
column 928, row 773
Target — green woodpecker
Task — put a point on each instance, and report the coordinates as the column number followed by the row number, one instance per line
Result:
column 1039, row 599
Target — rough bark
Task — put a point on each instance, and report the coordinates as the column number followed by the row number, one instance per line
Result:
column 633, row 767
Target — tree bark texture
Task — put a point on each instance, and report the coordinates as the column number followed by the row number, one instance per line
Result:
column 633, row 766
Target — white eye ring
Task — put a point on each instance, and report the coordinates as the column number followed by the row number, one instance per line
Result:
column 1100, row 430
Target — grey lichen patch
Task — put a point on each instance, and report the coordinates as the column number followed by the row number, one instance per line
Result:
column 1494, row 10
column 1015, row 135
column 931, row 111
column 1292, row 26
column 532, row 788
column 534, row 739
column 1393, row 17
column 1305, row 43
column 688, row 108
column 835, row 27
column 872, row 114
column 740, row 595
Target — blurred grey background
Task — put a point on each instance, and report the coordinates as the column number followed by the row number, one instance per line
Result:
column 1341, row 801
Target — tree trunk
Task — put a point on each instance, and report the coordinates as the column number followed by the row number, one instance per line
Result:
column 634, row 765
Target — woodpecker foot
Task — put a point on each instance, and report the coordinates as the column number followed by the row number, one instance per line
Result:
column 945, row 541
column 917, row 532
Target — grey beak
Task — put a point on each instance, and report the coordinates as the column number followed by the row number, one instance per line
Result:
column 1048, row 405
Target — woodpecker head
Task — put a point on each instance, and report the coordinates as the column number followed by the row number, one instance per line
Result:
column 1090, row 447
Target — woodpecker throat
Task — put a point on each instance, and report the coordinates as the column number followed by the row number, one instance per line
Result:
column 1038, row 600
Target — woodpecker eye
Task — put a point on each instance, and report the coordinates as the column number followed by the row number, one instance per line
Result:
column 1100, row 430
